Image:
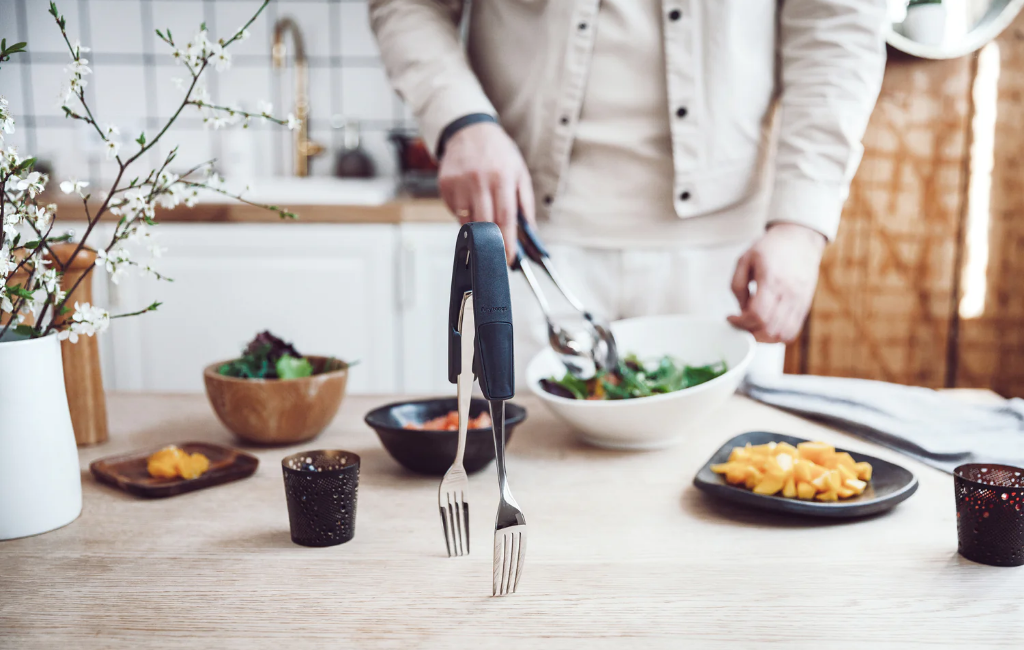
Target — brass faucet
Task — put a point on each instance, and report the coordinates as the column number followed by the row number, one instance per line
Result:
column 304, row 147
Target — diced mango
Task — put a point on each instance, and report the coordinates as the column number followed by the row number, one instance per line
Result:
column 828, row 496
column 737, row 473
column 811, row 470
column 845, row 459
column 846, row 472
column 789, row 488
column 770, row 484
column 856, row 485
column 172, row 462
column 805, row 490
column 784, row 461
column 753, row 477
column 834, row 480
column 786, row 448
column 802, row 470
column 815, row 452
column 739, row 454
column 863, row 470
column 821, row 483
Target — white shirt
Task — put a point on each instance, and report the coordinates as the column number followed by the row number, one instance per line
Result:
column 813, row 67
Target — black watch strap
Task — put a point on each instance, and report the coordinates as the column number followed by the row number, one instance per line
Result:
column 459, row 124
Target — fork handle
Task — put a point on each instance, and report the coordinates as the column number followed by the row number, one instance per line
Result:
column 498, row 426
column 467, row 336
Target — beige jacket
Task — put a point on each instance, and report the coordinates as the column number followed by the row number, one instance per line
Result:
column 731, row 64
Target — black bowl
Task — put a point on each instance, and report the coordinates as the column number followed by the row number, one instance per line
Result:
column 432, row 452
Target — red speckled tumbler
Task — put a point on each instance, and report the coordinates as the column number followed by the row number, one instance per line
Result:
column 990, row 513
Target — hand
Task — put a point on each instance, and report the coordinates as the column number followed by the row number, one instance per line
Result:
column 784, row 265
column 483, row 178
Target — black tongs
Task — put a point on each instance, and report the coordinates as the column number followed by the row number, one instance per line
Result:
column 481, row 272
column 480, row 268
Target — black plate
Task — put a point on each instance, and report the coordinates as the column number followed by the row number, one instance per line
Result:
column 890, row 484
column 432, row 452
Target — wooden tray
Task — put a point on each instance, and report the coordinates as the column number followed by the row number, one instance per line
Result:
column 129, row 473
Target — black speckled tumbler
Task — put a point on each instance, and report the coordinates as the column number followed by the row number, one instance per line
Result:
column 990, row 513
column 321, row 487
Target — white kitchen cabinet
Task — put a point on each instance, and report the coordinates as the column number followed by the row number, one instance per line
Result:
column 424, row 283
column 329, row 289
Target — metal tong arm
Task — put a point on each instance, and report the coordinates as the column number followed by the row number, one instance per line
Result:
column 533, row 249
column 467, row 333
column 480, row 268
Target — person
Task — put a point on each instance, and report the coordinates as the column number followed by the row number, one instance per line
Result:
column 679, row 156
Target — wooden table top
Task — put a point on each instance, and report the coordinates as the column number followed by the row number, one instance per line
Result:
column 623, row 553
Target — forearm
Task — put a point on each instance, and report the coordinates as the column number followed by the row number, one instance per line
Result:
column 832, row 55
column 419, row 44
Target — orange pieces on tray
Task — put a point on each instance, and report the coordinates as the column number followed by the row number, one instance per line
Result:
column 173, row 461
column 811, row 470
column 450, row 422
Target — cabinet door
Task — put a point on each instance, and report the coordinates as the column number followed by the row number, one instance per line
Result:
column 328, row 289
column 425, row 277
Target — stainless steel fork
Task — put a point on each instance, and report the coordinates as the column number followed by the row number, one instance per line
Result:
column 509, row 524
column 451, row 495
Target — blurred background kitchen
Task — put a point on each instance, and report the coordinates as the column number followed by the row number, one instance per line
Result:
column 922, row 285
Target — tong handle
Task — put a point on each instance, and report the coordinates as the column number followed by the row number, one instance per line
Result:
column 480, row 267
column 530, row 244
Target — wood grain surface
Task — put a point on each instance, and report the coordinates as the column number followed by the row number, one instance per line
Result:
column 623, row 553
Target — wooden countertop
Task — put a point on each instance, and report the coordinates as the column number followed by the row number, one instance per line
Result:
column 399, row 210
column 623, row 553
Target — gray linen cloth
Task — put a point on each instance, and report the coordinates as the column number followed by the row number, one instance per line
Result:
column 934, row 428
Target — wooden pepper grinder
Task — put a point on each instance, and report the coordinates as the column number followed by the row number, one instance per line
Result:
column 82, row 377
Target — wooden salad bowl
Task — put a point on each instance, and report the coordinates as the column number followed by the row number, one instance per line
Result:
column 276, row 411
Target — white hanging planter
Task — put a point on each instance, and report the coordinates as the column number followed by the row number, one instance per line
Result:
column 40, row 479
column 926, row 23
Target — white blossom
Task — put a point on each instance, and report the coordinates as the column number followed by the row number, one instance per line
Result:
column 111, row 147
column 293, row 122
column 87, row 320
column 242, row 33
column 221, row 57
column 180, row 84
column 73, row 185
column 111, row 129
column 34, row 183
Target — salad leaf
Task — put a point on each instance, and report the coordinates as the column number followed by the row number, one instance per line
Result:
column 289, row 367
column 634, row 378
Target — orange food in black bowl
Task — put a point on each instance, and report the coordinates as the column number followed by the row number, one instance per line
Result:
column 400, row 427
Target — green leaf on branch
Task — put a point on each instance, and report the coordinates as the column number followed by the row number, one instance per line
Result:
column 20, row 292
column 141, row 139
column 34, row 244
column 25, row 330
column 24, row 165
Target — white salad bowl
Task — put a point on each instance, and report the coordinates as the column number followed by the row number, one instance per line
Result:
column 660, row 420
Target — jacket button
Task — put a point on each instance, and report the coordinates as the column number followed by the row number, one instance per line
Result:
column 675, row 14
column 564, row 120
column 681, row 111
column 581, row 26
column 684, row 196
column 548, row 199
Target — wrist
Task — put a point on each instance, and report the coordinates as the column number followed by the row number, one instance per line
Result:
column 457, row 125
column 799, row 231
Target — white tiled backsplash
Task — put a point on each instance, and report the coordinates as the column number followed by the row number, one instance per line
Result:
column 131, row 84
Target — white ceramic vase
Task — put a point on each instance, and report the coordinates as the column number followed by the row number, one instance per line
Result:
column 40, row 479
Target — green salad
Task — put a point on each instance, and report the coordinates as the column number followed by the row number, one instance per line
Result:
column 634, row 378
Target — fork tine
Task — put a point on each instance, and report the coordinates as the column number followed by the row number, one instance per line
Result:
column 465, row 515
column 455, row 504
column 520, row 559
column 513, row 562
column 447, row 533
